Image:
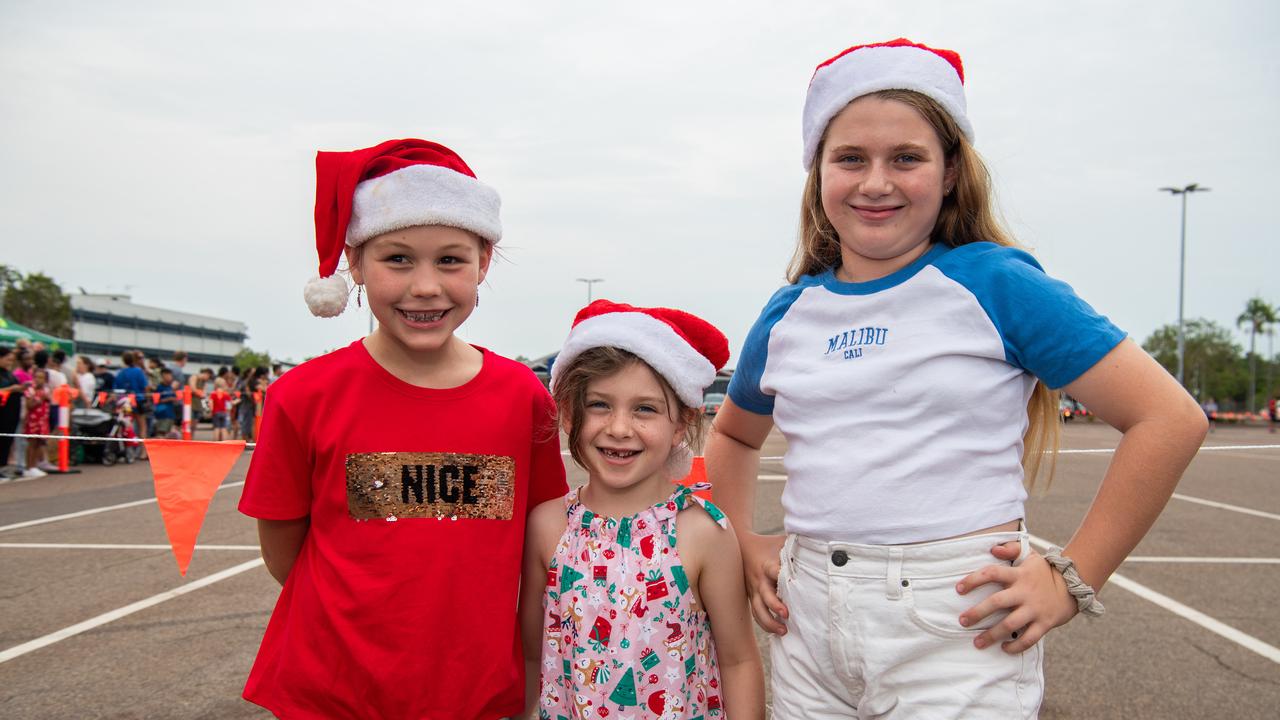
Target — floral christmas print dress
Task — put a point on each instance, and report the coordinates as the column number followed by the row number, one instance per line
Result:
column 37, row 411
column 622, row 635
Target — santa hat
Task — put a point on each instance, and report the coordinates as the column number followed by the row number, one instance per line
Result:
column 683, row 348
column 401, row 183
column 895, row 65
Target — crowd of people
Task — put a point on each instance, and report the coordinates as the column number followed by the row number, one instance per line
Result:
column 30, row 374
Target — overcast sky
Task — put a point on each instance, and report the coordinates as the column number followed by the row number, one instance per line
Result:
column 168, row 148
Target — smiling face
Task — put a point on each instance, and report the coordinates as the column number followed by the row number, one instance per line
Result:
column 628, row 427
column 421, row 283
column 883, row 176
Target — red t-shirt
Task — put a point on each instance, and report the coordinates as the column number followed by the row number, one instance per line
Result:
column 394, row 608
column 218, row 398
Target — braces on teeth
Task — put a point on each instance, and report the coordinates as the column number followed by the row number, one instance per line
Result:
column 423, row 317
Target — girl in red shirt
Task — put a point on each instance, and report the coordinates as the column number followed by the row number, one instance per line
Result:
column 218, row 401
column 392, row 477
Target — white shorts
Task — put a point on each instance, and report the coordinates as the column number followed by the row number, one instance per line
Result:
column 874, row 632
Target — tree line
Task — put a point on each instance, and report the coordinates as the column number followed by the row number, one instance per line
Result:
column 1217, row 367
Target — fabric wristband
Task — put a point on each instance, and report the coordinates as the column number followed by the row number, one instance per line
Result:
column 1086, row 598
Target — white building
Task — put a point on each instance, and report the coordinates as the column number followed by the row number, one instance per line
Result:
column 105, row 325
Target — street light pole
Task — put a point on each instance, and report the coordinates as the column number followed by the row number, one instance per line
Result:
column 590, row 282
column 1182, row 266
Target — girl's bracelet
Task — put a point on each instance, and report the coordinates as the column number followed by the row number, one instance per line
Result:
column 1086, row 599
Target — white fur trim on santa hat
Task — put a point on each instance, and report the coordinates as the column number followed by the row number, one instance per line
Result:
column 326, row 297
column 423, row 195
column 688, row 371
column 871, row 69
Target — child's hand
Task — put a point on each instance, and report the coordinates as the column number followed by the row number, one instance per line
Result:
column 1034, row 594
column 1007, row 552
column 760, row 564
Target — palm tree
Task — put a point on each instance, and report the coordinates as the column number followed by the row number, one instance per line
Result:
column 1259, row 316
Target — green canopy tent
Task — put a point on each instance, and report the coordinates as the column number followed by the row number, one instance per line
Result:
column 11, row 331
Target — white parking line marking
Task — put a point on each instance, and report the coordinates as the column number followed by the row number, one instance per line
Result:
column 1217, row 627
column 104, row 546
column 1224, row 506
column 91, row 511
column 1206, row 560
column 772, row 478
column 103, row 619
column 1209, row 448
column 1103, row 451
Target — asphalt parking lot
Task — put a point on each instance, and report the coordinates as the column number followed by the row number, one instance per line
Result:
column 95, row 621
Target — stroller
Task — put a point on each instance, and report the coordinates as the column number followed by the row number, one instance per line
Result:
column 113, row 422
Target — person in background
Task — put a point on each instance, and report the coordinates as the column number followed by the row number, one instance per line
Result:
column 1210, row 408
column 132, row 380
column 179, row 366
column 85, row 380
column 203, row 381
column 200, row 384
column 152, row 369
column 24, row 365
column 66, row 364
column 166, row 406
column 52, row 363
column 219, row 402
column 54, row 377
column 26, row 362
column 106, row 380
column 12, row 389
column 247, row 406
column 37, row 421
column 276, row 371
column 56, row 367
column 236, row 386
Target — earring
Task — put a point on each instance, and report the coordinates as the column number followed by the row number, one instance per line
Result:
column 359, row 292
column 477, row 297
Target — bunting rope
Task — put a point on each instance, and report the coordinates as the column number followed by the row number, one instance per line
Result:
column 188, row 472
column 131, row 441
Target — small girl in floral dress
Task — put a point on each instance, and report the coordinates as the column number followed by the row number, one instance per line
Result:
column 37, row 397
column 633, row 603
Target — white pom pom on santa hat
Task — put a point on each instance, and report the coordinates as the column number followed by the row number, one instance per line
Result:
column 683, row 348
column 398, row 184
column 326, row 296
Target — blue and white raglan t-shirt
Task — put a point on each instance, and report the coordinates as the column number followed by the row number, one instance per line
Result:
column 904, row 399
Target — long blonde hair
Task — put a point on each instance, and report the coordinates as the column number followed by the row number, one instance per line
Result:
column 967, row 215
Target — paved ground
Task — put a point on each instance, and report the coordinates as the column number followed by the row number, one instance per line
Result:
column 187, row 656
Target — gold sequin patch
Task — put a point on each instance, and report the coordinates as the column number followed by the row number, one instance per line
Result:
column 397, row 485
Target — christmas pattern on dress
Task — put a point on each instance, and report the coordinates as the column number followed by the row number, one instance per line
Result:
column 622, row 635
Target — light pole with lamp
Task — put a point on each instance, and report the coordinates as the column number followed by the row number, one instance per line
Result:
column 1182, row 264
column 590, row 282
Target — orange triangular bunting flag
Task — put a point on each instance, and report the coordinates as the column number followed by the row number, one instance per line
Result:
column 187, row 474
column 697, row 474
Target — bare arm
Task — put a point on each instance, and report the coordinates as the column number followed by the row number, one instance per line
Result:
column 281, row 540
column 723, row 592
column 1163, row 428
column 545, row 525
column 733, row 459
